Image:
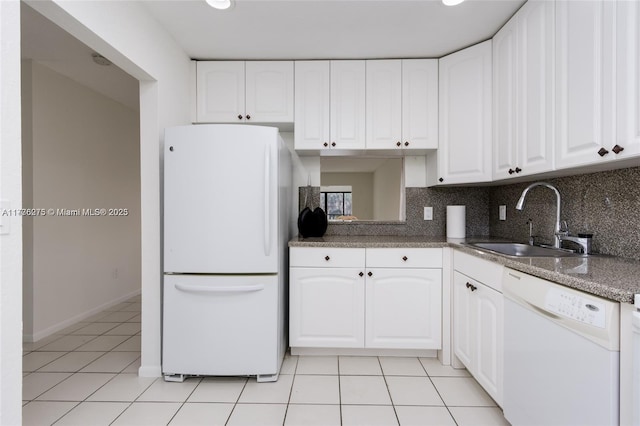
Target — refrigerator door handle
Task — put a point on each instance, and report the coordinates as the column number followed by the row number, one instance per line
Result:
column 267, row 201
column 219, row 289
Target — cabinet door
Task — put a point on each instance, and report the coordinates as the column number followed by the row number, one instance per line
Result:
column 420, row 103
column 269, row 95
column 463, row 317
column 505, row 144
column 628, row 68
column 488, row 323
column 347, row 104
column 534, row 105
column 523, row 92
column 464, row 152
column 403, row 308
column 384, row 104
column 220, row 91
column 584, row 79
column 326, row 307
column 311, row 104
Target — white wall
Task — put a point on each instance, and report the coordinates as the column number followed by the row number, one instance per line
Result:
column 125, row 33
column 387, row 190
column 415, row 171
column 10, row 190
column 362, row 189
column 83, row 155
column 304, row 167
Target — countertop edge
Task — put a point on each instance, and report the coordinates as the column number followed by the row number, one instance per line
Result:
column 594, row 287
column 588, row 286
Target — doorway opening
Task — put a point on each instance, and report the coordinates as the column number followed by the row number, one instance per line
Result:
column 81, row 178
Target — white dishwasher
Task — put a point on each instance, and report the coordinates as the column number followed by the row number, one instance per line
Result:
column 561, row 354
column 635, row 368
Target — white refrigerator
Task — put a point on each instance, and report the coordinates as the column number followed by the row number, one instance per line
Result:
column 227, row 197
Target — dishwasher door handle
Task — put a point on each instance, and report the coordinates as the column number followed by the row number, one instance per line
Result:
column 542, row 311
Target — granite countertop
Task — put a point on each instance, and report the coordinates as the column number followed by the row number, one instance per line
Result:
column 369, row 241
column 610, row 277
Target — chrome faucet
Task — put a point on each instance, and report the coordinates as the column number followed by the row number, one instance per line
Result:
column 558, row 232
column 583, row 241
column 532, row 238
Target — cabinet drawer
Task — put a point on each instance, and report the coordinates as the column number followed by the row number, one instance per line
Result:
column 404, row 257
column 328, row 257
column 486, row 272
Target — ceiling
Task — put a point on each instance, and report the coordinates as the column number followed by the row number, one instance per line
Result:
column 330, row 29
column 50, row 45
column 278, row 29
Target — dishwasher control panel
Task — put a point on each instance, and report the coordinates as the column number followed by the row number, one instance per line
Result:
column 574, row 306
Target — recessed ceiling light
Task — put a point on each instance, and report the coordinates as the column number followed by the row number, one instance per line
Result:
column 219, row 4
column 100, row 60
column 451, row 2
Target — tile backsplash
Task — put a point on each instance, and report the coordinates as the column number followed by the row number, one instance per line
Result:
column 606, row 204
column 476, row 200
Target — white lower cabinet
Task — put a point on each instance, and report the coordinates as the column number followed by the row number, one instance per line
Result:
column 403, row 308
column 478, row 323
column 379, row 303
column 327, row 307
column 463, row 338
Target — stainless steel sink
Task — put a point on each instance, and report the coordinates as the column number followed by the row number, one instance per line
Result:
column 523, row 250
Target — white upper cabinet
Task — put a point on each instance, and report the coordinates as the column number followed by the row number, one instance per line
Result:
column 220, row 91
column 330, row 105
column 585, row 106
column 628, row 73
column 347, row 100
column 505, row 149
column 402, row 104
column 523, row 92
column 244, row 92
column 384, row 104
column 535, row 96
column 464, row 150
column 598, row 74
column 269, row 91
column 420, row 103
column 312, row 127
column 373, row 104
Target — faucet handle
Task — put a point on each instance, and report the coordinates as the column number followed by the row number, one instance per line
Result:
column 564, row 229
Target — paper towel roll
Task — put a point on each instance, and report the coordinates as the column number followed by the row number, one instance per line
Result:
column 456, row 221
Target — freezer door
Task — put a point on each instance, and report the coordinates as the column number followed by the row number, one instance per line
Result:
column 221, row 199
column 220, row 325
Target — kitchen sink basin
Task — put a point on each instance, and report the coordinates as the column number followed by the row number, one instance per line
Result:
column 523, row 250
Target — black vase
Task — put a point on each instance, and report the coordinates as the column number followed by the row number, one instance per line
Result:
column 312, row 223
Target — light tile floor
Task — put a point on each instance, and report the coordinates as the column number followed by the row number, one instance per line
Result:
column 87, row 375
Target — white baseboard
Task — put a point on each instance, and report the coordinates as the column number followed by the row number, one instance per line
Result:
column 150, row 371
column 77, row 318
column 425, row 353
